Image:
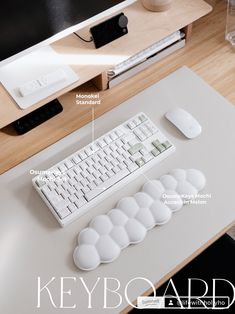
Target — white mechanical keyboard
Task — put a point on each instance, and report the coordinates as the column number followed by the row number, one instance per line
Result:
column 81, row 181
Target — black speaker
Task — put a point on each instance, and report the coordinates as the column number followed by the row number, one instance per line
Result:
column 109, row 30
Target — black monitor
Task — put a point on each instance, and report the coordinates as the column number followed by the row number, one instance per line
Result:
column 27, row 24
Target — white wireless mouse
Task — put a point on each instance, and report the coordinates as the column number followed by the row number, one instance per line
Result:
column 185, row 122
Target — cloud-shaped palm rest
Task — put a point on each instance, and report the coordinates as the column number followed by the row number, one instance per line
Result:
column 129, row 222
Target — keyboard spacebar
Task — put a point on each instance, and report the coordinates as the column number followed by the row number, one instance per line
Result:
column 107, row 184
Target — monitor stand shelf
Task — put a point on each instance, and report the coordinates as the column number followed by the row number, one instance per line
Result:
column 91, row 65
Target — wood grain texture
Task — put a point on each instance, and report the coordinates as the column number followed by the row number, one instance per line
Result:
column 207, row 53
column 145, row 28
column 214, row 2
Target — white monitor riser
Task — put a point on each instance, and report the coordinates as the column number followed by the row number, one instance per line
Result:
column 40, row 60
column 31, row 67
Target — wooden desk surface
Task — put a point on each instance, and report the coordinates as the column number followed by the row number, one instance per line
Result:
column 207, row 53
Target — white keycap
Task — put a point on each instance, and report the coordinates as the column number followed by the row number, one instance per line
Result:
column 128, row 162
column 95, row 158
column 102, row 162
column 137, row 121
column 94, row 147
column 97, row 166
column 78, row 186
column 139, row 134
column 90, row 178
column 82, row 155
column 107, row 150
column 108, row 139
column 69, row 164
column 84, row 182
column 151, row 128
column 147, row 157
column 92, row 186
column 62, row 205
column 82, row 167
column 72, row 182
column 80, row 202
column 120, row 158
column 110, row 173
column 88, row 151
column 133, row 142
column 131, row 125
column 104, row 177
column 135, row 156
column 113, row 146
column 72, row 208
column 102, row 143
column 40, row 182
column 62, row 168
column 144, row 151
column 71, row 173
column 101, row 154
column 108, row 158
column 114, row 162
column 119, row 132
column 72, row 198
column 107, row 184
column 64, row 213
column 108, row 167
column 113, row 136
column 116, row 169
column 89, row 162
column 78, row 194
column 146, row 131
column 102, row 170
column 98, row 182
column 76, row 159
column 84, row 174
column 96, row 174
column 120, row 151
column 128, row 137
column 133, row 167
column 114, row 154
column 52, row 197
column 119, row 143
column 85, row 190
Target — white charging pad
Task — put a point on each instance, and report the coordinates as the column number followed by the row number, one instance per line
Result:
column 30, row 67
